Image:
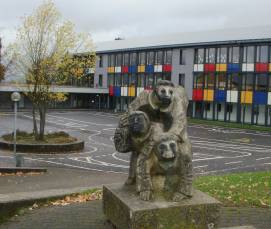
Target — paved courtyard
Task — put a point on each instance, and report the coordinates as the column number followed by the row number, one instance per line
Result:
column 216, row 150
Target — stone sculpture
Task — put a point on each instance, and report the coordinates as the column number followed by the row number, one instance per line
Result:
column 154, row 130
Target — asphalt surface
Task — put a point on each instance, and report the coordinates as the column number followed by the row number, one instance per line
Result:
column 90, row 215
column 215, row 149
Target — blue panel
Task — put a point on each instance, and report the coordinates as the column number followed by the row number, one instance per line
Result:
column 132, row 69
column 259, row 97
column 220, row 95
column 149, row 69
column 117, row 91
column 233, row 68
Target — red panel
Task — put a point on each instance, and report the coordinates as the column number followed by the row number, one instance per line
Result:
column 261, row 67
column 148, row 88
column 197, row 94
column 209, row 67
column 167, row 68
column 111, row 90
column 124, row 69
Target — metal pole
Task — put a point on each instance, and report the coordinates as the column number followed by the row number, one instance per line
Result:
column 18, row 158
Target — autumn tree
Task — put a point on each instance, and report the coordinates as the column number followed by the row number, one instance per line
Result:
column 5, row 62
column 47, row 52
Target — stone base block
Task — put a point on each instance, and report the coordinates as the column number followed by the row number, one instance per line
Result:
column 125, row 210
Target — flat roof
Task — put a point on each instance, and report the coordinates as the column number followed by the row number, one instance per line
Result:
column 188, row 39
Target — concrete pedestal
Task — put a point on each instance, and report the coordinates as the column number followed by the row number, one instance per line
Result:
column 123, row 208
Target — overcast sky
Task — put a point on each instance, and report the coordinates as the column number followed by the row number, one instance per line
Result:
column 108, row 19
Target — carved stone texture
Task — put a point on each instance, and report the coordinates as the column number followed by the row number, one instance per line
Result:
column 155, row 131
column 124, row 210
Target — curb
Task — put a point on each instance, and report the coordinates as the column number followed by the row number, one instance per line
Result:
column 41, row 148
column 22, row 169
column 10, row 203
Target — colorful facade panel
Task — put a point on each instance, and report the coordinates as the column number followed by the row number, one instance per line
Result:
column 208, row 95
column 111, row 90
column 124, row 91
column 269, row 98
column 261, row 67
column 139, row 90
column 198, row 67
column 167, row 68
column 248, row 67
column 118, row 69
column 232, row 97
column 246, row 97
column 233, row 68
column 111, row 69
column 209, row 68
column 131, row 91
column 158, row 68
column 132, row 69
column 220, row 96
column 221, row 67
column 198, row 94
column 141, row 68
column 149, row 69
column 260, row 98
column 124, row 69
column 117, row 91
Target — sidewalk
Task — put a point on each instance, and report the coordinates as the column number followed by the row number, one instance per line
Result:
column 89, row 215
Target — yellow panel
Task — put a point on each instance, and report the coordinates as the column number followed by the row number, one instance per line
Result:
column 270, row 67
column 208, row 95
column 129, row 91
column 221, row 67
column 246, row 97
column 132, row 91
column 139, row 68
column 108, row 70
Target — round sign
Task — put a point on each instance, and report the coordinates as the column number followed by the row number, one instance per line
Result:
column 15, row 96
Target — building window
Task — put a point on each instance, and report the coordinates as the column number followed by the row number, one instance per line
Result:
column 168, row 57
column 126, row 59
column 262, row 54
column 229, row 108
column 221, row 57
column 221, row 82
column 142, row 58
column 181, row 57
column 210, row 55
column 233, row 82
column 132, row 79
column 149, row 81
column 209, row 81
column 207, row 106
column 111, row 60
column 219, row 107
column 125, row 80
column 198, row 81
column 157, row 77
column 199, row 56
column 141, row 80
column 247, row 82
column 182, row 80
column 261, row 82
column 118, row 80
column 133, row 58
column 119, row 59
column 110, row 80
column 234, row 55
column 159, row 57
column 248, row 54
column 100, row 80
column 150, row 58
column 101, row 61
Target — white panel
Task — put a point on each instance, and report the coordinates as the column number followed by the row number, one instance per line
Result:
column 244, row 67
column 122, row 91
column 232, row 96
column 117, row 69
column 155, row 68
column 125, row 91
column 159, row 68
column 200, row 67
column 250, row 67
column 195, row 67
column 141, row 89
column 269, row 98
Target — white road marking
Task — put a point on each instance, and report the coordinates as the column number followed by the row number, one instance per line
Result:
column 263, row 158
column 233, row 162
column 200, row 166
column 117, row 158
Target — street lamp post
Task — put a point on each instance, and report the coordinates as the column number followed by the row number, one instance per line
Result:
column 15, row 97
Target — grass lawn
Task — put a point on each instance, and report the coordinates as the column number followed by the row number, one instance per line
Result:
column 49, row 138
column 229, row 124
column 239, row 189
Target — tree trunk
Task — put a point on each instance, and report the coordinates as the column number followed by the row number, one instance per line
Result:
column 42, row 111
column 35, row 127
